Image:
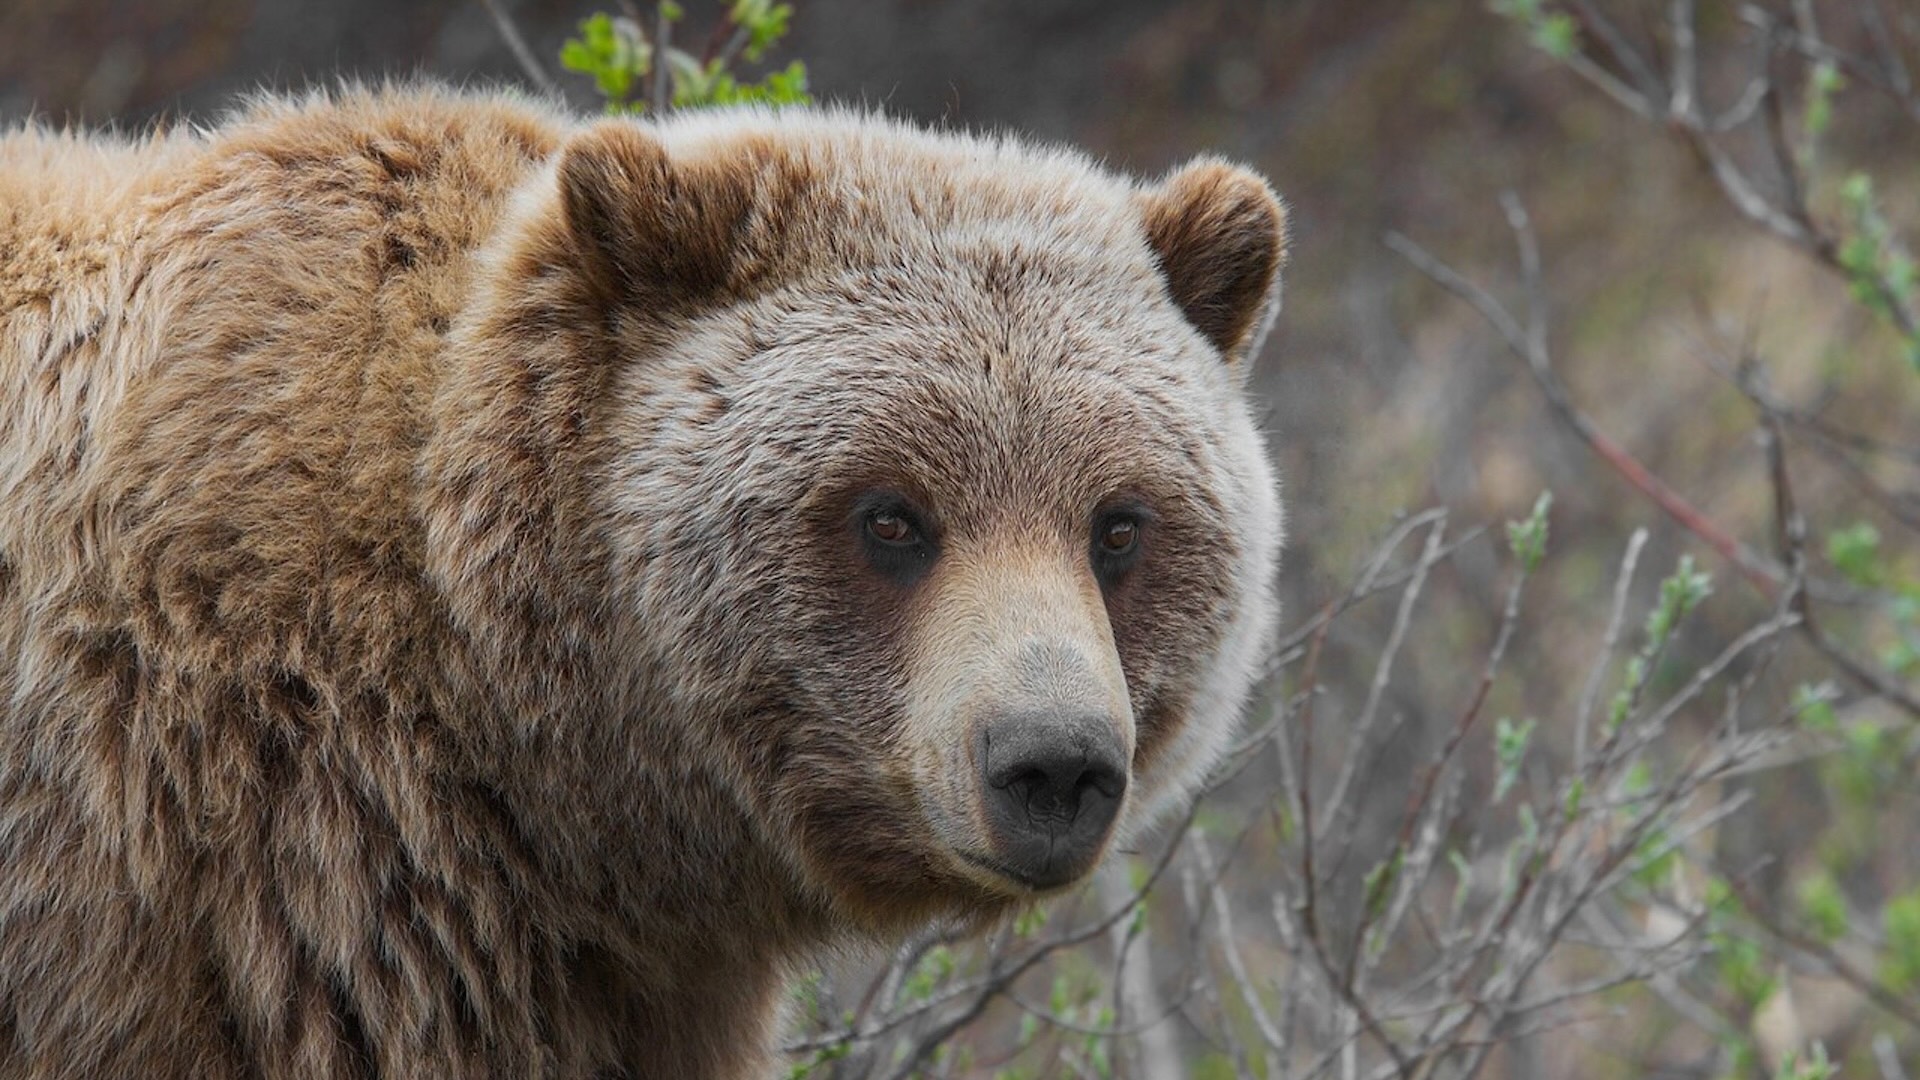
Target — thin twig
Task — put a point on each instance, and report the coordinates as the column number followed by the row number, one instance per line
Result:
column 661, row 96
column 1595, row 24
column 1609, row 644
column 530, row 65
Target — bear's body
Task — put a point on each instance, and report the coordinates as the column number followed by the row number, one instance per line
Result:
column 486, row 595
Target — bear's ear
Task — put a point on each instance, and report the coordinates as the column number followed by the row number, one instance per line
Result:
column 1221, row 237
column 662, row 233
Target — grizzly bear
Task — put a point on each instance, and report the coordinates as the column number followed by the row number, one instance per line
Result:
column 488, row 594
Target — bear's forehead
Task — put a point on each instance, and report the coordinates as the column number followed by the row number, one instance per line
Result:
column 982, row 315
column 870, row 188
column 1029, row 343
column 996, row 350
column 976, row 422
column 1022, row 299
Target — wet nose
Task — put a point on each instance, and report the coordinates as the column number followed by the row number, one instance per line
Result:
column 1053, row 783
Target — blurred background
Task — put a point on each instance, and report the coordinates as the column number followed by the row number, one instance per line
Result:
column 1667, row 308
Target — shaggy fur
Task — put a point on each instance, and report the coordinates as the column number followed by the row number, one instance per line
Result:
column 435, row 632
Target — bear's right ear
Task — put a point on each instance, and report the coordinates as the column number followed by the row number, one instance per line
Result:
column 664, row 234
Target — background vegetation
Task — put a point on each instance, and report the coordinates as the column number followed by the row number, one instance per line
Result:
column 1619, row 782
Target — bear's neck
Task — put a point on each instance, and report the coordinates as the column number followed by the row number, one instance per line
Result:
column 642, row 884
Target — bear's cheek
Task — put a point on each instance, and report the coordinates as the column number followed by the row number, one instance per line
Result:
column 1167, row 622
column 863, row 840
column 844, row 773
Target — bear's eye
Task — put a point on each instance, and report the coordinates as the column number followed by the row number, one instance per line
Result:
column 889, row 527
column 1120, row 535
column 897, row 542
column 1116, row 542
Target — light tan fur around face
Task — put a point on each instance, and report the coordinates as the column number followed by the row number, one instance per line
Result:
column 435, row 637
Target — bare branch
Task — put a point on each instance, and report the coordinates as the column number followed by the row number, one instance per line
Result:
column 661, row 96
column 1594, row 23
column 1682, row 101
column 1609, row 645
column 530, row 65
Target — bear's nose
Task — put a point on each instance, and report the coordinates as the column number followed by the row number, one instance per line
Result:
column 1053, row 783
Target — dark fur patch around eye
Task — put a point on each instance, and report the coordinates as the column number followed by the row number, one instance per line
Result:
column 1109, row 565
column 904, row 561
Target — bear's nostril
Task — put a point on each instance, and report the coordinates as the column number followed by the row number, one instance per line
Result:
column 1058, row 784
column 1028, row 785
column 1105, row 779
column 1054, row 794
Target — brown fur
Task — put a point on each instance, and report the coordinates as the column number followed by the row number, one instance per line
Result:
column 432, row 637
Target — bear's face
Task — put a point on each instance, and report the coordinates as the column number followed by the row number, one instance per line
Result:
column 950, row 502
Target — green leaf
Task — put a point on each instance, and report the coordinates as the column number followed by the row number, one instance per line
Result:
column 1510, row 751
column 1379, row 883
column 1680, row 593
column 1556, row 35
column 1029, row 922
column 1061, row 997
column 1744, row 1057
column 767, row 28
column 1463, row 871
column 823, row 1056
column 1654, row 859
column 1742, row 968
column 1856, row 191
column 1638, row 780
column 1029, row 1027
column 1822, row 84
column 1813, row 706
column 1901, row 656
column 575, row 55
column 1855, row 552
column 1635, row 678
column 1528, row 538
column 613, row 52
column 617, row 54
column 1900, row 961
column 1822, row 905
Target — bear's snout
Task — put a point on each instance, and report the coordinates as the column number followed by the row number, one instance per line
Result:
column 1052, row 784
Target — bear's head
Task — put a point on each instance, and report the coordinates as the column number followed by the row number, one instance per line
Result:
column 925, row 501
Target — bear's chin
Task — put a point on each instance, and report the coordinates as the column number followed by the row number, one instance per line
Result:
column 952, row 891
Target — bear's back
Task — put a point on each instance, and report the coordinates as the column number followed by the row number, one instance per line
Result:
column 215, row 354
column 214, row 351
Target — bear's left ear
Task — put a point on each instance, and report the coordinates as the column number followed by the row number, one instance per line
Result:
column 1221, row 237
column 666, row 233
